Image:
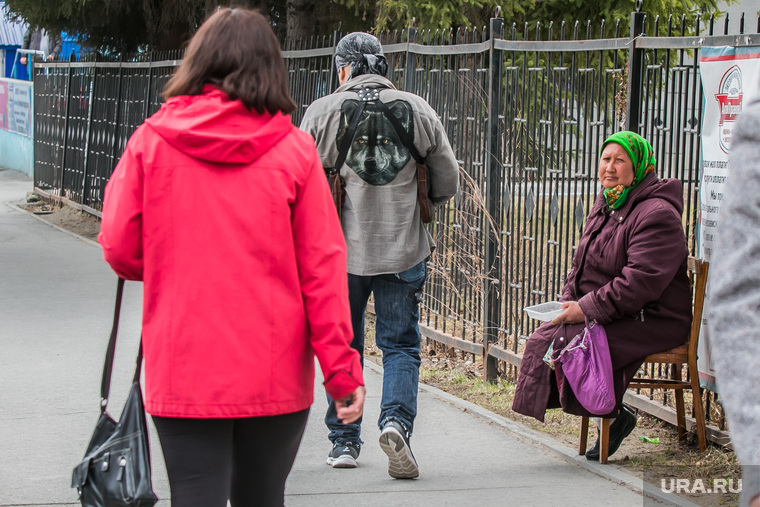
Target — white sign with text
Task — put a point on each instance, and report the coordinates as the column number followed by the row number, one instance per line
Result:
column 730, row 78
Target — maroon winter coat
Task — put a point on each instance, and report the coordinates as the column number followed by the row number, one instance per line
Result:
column 629, row 274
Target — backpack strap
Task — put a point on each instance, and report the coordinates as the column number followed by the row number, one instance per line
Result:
column 422, row 193
column 401, row 131
column 338, row 184
column 347, row 140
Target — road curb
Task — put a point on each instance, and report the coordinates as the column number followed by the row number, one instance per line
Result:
column 65, row 231
column 610, row 472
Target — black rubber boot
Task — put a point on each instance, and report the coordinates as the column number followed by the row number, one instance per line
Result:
column 621, row 428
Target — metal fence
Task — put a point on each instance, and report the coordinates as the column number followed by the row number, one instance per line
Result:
column 526, row 110
column 84, row 113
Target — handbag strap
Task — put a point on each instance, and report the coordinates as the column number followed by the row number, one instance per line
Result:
column 105, row 382
column 557, row 354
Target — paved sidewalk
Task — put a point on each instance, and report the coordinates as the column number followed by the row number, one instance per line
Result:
column 56, row 302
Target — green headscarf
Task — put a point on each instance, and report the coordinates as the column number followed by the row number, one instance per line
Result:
column 642, row 156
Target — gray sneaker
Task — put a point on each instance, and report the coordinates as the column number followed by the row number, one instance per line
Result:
column 395, row 443
column 343, row 455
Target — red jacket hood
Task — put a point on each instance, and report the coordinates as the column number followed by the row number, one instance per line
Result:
column 213, row 128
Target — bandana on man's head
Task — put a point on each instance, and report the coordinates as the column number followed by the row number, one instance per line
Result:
column 642, row 156
column 363, row 52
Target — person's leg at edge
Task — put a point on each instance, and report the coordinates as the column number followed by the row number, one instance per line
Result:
column 264, row 449
column 397, row 335
column 359, row 289
column 198, row 457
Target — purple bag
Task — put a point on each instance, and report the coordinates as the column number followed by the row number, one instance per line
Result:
column 587, row 367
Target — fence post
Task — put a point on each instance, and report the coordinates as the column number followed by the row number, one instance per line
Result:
column 146, row 112
column 635, row 71
column 88, row 136
column 65, row 134
column 492, row 298
column 117, row 119
column 411, row 61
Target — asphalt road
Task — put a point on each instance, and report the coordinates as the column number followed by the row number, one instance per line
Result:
column 56, row 303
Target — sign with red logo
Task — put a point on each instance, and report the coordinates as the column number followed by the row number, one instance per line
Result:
column 729, row 105
column 730, row 79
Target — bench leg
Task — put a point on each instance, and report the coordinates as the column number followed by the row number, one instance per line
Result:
column 583, row 436
column 604, row 441
column 680, row 411
column 699, row 409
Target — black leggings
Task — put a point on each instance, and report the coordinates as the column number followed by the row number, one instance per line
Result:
column 244, row 460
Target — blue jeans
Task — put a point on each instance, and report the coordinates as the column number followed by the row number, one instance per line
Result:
column 397, row 335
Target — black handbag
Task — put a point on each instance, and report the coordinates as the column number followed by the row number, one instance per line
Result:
column 116, row 470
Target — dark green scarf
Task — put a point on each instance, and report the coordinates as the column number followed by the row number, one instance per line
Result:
column 642, row 156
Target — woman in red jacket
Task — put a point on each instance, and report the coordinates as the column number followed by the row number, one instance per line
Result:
column 221, row 207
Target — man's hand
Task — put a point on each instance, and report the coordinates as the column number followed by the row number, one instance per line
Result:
column 350, row 408
column 572, row 314
column 22, row 60
column 50, row 58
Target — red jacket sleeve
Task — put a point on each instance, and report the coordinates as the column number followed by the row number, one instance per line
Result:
column 121, row 222
column 321, row 256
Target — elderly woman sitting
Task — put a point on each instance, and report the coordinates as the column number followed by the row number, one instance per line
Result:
column 628, row 274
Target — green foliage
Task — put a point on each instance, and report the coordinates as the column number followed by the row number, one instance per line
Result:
column 126, row 25
column 571, row 11
column 432, row 14
column 348, row 15
column 443, row 14
column 120, row 25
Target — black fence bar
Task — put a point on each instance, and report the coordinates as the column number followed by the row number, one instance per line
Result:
column 526, row 109
column 635, row 68
column 493, row 181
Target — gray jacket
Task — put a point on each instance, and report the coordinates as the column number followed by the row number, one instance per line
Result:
column 734, row 292
column 33, row 40
column 381, row 216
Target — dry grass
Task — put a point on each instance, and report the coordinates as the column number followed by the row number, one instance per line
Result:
column 455, row 373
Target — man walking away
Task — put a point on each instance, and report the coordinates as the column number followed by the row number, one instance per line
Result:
column 376, row 142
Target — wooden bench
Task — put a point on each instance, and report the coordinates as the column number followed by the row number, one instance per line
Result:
column 685, row 354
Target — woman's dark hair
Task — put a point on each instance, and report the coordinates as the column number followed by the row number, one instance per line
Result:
column 236, row 51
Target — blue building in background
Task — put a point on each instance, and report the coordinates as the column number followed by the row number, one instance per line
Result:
column 70, row 45
column 11, row 39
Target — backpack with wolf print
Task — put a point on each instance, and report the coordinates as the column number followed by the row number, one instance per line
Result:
column 376, row 153
column 376, row 142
